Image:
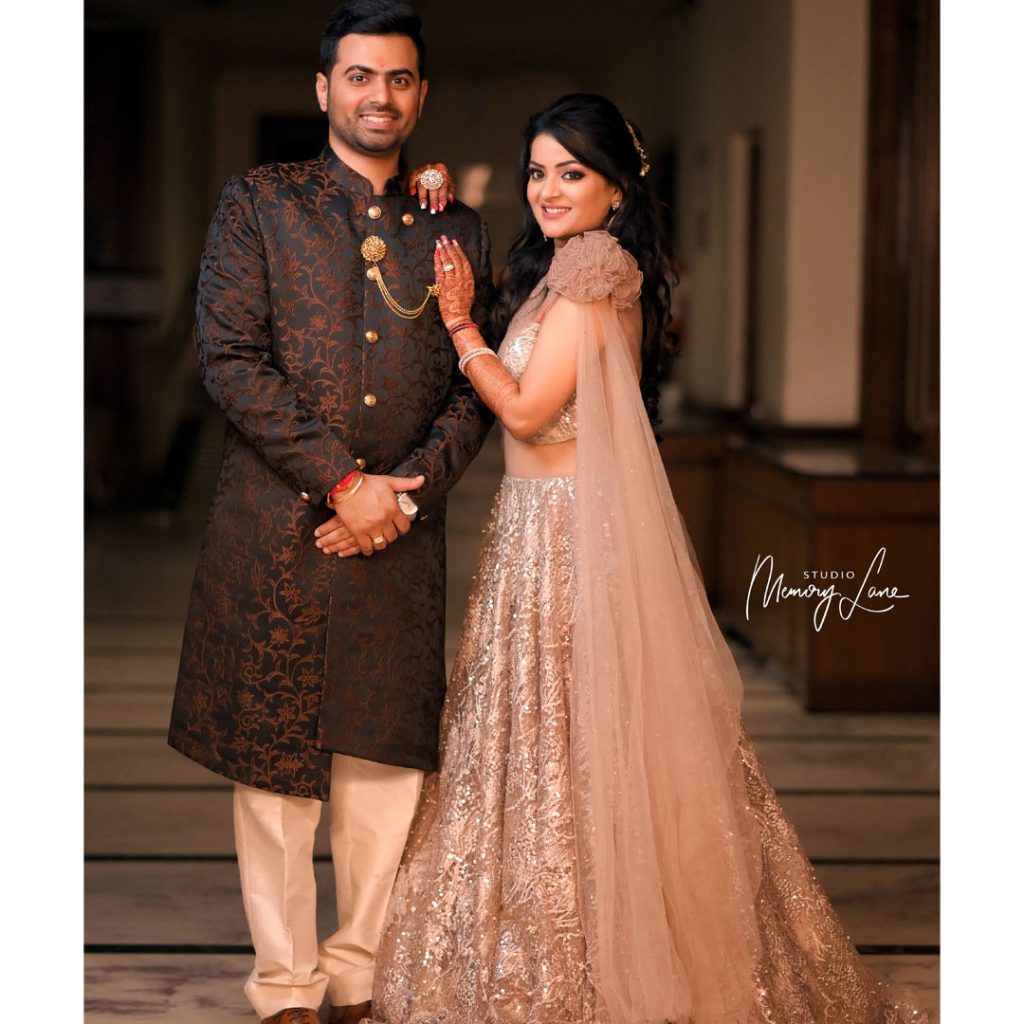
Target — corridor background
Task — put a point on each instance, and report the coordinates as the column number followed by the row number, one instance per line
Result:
column 795, row 145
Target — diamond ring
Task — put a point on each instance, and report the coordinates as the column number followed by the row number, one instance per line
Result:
column 432, row 178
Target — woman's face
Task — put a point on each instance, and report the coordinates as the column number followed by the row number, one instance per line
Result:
column 566, row 197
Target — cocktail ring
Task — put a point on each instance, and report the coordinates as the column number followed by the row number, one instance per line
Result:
column 377, row 540
column 447, row 266
column 432, row 178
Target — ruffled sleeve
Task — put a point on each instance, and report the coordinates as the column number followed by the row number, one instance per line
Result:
column 593, row 265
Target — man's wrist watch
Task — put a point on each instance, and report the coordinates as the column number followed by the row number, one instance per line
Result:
column 407, row 505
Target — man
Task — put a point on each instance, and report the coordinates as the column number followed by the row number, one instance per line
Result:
column 306, row 677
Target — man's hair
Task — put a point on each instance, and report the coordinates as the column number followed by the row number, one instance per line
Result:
column 372, row 18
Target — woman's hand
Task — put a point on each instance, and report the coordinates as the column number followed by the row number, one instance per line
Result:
column 437, row 196
column 454, row 276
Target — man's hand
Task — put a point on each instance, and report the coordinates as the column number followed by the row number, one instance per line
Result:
column 372, row 512
column 335, row 538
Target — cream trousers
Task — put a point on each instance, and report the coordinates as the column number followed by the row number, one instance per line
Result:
column 372, row 806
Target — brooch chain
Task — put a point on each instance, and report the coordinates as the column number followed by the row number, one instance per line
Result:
column 373, row 250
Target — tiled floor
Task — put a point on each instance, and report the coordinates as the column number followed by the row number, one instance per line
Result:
column 165, row 935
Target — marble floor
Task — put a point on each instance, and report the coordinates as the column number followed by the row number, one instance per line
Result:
column 165, row 937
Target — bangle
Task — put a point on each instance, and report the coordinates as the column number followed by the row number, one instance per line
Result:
column 452, row 331
column 473, row 353
column 349, row 492
column 342, row 484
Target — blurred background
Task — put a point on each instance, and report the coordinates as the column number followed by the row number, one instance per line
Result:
column 795, row 145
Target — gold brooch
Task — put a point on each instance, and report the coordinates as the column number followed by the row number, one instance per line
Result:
column 373, row 250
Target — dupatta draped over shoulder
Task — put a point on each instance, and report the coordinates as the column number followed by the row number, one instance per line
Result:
column 668, row 846
column 601, row 844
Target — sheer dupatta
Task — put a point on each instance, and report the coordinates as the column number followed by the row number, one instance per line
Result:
column 669, row 850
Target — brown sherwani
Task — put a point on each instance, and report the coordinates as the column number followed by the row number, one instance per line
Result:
column 289, row 654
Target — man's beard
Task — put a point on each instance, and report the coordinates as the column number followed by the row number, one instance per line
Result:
column 368, row 140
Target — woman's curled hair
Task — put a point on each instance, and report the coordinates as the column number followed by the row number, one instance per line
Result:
column 595, row 132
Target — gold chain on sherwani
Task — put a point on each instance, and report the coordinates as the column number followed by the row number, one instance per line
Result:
column 373, row 250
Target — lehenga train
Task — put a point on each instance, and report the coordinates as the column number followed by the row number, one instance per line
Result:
column 604, row 849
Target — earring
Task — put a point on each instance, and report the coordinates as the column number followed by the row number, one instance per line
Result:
column 616, row 204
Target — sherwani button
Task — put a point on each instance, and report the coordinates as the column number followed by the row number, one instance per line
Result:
column 373, row 213
column 407, row 219
column 305, row 497
column 371, row 337
column 370, row 400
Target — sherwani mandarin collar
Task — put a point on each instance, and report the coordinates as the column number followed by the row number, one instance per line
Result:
column 353, row 181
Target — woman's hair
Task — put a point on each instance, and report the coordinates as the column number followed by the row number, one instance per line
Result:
column 595, row 132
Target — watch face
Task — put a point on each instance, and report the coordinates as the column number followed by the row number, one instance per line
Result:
column 406, row 504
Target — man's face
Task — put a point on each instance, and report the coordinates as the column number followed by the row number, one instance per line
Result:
column 374, row 96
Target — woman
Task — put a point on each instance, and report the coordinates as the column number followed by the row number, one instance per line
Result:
column 600, row 842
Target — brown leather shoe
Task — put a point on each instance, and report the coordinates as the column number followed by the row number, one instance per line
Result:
column 350, row 1014
column 293, row 1015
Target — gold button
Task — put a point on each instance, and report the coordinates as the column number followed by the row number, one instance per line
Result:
column 305, row 497
column 370, row 400
column 371, row 337
column 361, row 463
column 407, row 219
column 373, row 213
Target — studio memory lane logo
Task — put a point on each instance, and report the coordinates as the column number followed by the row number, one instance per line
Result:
column 823, row 587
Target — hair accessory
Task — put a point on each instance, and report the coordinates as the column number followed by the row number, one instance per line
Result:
column 641, row 152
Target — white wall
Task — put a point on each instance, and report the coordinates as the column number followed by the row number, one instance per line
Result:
column 730, row 74
column 795, row 70
column 825, row 214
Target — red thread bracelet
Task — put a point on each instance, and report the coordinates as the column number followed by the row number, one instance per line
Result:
column 343, row 484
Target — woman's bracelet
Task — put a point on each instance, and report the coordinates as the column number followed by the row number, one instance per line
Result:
column 452, row 331
column 473, row 353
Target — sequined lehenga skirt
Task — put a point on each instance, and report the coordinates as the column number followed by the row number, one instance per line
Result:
column 484, row 924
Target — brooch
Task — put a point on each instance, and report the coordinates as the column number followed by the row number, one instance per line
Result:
column 373, row 250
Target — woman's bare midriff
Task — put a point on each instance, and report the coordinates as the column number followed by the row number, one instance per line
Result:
column 539, row 460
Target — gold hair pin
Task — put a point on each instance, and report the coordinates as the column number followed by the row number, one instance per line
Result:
column 644, row 165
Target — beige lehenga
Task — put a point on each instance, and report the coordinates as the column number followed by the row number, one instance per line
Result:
column 600, row 842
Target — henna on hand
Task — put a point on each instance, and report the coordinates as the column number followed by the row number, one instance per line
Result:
column 457, row 286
